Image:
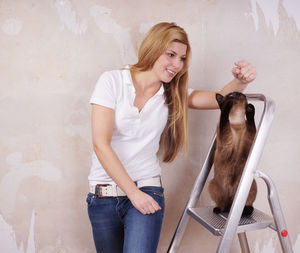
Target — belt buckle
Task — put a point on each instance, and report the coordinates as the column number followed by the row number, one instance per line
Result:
column 99, row 190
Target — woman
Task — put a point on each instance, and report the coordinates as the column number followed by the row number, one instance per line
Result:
column 134, row 111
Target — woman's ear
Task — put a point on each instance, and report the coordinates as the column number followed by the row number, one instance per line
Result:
column 219, row 99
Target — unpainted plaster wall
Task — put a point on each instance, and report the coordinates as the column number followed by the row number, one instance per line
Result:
column 51, row 55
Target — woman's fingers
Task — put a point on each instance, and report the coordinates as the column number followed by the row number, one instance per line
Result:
column 150, row 206
column 244, row 72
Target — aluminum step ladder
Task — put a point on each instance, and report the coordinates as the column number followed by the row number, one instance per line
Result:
column 228, row 225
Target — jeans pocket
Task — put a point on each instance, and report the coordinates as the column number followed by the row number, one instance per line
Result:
column 153, row 190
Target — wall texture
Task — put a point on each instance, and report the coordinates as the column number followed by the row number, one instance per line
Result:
column 51, row 54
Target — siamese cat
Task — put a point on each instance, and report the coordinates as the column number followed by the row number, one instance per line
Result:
column 235, row 133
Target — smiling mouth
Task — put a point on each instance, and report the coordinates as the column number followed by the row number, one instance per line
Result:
column 171, row 72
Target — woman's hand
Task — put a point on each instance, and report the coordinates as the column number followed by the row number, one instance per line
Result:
column 244, row 72
column 143, row 202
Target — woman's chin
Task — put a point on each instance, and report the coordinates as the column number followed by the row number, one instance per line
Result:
column 167, row 80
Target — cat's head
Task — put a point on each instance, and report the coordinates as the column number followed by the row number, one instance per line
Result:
column 236, row 106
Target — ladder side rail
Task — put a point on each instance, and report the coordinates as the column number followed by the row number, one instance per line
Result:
column 248, row 174
column 193, row 199
column 244, row 242
column 276, row 210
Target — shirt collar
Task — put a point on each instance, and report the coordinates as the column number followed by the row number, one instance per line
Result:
column 127, row 76
column 161, row 90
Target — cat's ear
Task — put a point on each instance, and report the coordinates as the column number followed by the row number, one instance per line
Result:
column 219, row 99
column 250, row 111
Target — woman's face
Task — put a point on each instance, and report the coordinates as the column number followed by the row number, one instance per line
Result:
column 171, row 62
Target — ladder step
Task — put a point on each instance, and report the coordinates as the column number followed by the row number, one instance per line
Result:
column 215, row 223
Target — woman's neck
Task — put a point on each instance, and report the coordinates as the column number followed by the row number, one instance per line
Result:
column 145, row 81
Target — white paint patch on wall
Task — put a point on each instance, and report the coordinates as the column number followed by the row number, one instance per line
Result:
column 107, row 24
column 270, row 10
column 145, row 27
column 68, row 17
column 266, row 248
column 8, row 238
column 31, row 244
column 20, row 170
column 292, row 8
column 12, row 26
column 297, row 244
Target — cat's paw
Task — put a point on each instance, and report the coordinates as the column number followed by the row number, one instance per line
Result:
column 248, row 210
column 217, row 210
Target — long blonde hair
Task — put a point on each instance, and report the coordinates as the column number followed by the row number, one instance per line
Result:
column 156, row 42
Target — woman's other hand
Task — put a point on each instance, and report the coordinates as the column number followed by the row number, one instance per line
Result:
column 244, row 72
column 143, row 202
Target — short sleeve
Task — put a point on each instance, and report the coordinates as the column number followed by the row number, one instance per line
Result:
column 190, row 90
column 104, row 92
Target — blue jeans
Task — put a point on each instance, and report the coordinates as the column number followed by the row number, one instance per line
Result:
column 119, row 227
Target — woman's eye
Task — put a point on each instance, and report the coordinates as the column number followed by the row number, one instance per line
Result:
column 182, row 58
column 170, row 54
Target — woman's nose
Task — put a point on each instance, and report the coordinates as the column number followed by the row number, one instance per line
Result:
column 177, row 62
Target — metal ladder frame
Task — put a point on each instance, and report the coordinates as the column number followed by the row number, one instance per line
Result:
column 250, row 171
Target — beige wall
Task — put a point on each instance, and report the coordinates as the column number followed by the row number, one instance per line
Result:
column 52, row 53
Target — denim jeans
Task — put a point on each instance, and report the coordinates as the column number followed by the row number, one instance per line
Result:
column 119, row 227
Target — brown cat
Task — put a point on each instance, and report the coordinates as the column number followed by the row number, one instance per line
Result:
column 235, row 133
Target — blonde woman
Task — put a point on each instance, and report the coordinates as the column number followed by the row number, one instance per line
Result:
column 134, row 111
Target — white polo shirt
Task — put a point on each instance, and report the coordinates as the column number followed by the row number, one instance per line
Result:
column 136, row 135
